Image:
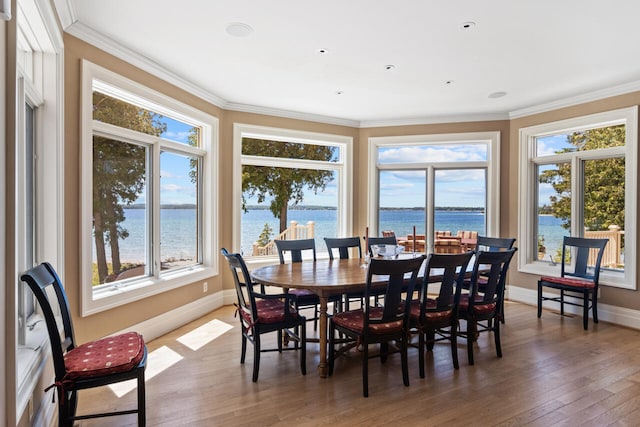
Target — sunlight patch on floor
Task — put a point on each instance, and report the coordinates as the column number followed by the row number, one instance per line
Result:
column 204, row 334
column 157, row 361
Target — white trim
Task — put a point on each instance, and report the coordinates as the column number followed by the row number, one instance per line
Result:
column 527, row 259
column 344, row 166
column 576, row 100
column 607, row 313
column 106, row 297
column 492, row 214
column 454, row 118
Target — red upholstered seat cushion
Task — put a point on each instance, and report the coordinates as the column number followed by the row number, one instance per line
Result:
column 574, row 282
column 354, row 321
column 431, row 305
column 478, row 307
column 109, row 355
column 269, row 311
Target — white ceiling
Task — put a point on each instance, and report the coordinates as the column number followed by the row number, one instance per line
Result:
column 537, row 51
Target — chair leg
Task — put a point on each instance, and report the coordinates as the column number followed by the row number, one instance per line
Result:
column 66, row 408
column 243, row 352
column 142, row 414
column 279, row 340
column 384, row 351
column 470, row 339
column 454, row 345
column 365, row 369
column 303, row 349
column 331, row 350
column 561, row 302
column 256, row 357
column 421, row 351
column 405, row 361
column 496, row 336
column 539, row 299
column 585, row 310
column 594, row 306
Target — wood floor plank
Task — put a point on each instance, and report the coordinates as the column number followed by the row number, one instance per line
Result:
column 552, row 373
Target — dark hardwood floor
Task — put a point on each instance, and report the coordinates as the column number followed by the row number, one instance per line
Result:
column 553, row 373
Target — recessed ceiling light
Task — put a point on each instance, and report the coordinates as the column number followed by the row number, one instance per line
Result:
column 448, row 82
column 389, row 67
column 497, row 94
column 467, row 25
column 239, row 29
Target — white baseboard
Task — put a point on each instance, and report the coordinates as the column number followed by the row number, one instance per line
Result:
column 608, row 313
column 167, row 322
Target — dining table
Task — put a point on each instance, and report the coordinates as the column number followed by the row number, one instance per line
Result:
column 324, row 278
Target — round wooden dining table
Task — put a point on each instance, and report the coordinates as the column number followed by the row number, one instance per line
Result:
column 324, row 278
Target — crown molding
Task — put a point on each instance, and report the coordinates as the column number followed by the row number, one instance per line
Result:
column 65, row 12
column 434, row 120
column 292, row 114
column 140, row 61
column 577, row 100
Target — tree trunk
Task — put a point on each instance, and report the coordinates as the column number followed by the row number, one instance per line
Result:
column 283, row 216
column 114, row 243
column 101, row 256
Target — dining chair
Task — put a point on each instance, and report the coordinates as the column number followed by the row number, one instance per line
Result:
column 436, row 318
column 378, row 324
column 263, row 313
column 491, row 244
column 304, row 297
column 384, row 240
column 343, row 244
column 579, row 277
column 76, row 366
column 475, row 307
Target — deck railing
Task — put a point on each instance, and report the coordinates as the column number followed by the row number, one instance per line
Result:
column 294, row 232
column 613, row 251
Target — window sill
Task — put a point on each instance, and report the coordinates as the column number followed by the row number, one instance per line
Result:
column 107, row 297
column 30, row 360
column 607, row 277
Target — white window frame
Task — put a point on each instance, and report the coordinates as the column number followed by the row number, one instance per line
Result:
column 39, row 83
column 343, row 166
column 491, row 165
column 527, row 256
column 94, row 301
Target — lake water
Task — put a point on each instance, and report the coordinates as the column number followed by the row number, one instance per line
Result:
column 179, row 241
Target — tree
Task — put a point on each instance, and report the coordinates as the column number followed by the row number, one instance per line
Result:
column 285, row 186
column 604, row 180
column 119, row 171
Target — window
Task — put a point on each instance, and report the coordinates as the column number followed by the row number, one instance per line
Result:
column 39, row 225
column 289, row 185
column 435, row 183
column 149, row 191
column 578, row 177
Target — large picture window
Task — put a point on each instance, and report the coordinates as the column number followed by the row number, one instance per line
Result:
column 435, row 183
column 291, row 185
column 576, row 182
column 151, row 191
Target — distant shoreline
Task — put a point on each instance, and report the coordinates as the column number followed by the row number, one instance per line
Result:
column 320, row 208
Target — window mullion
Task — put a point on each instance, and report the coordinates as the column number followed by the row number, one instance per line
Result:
column 154, row 243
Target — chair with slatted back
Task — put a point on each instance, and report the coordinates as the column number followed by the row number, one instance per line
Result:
column 579, row 277
column 343, row 245
column 379, row 325
column 384, row 240
column 97, row 363
column 436, row 318
column 482, row 311
column 264, row 313
column 305, row 298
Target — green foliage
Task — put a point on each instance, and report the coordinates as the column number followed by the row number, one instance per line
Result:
column 265, row 236
column 285, row 186
column 604, row 181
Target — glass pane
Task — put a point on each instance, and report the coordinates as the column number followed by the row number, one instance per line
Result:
column 554, row 209
column 592, row 139
column 290, row 150
column 604, row 203
column 179, row 224
column 402, row 196
column 460, row 200
column 433, row 153
column 114, row 111
column 119, row 210
column 292, row 202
